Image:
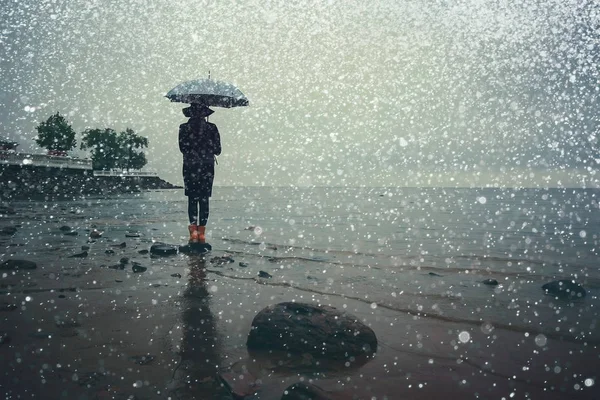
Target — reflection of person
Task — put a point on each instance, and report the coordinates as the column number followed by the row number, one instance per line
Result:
column 199, row 142
column 199, row 347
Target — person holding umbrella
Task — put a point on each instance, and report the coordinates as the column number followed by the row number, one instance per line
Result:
column 199, row 142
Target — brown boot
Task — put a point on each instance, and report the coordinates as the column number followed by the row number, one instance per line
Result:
column 193, row 228
column 201, row 232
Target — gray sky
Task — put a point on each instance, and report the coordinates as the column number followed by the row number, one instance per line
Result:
column 382, row 93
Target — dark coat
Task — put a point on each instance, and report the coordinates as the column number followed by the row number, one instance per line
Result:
column 199, row 142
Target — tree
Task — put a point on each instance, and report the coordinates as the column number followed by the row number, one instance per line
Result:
column 56, row 134
column 104, row 146
column 131, row 145
column 111, row 150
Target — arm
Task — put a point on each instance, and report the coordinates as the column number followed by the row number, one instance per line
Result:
column 183, row 140
column 217, row 141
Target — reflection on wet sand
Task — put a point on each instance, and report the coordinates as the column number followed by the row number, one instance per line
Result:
column 197, row 372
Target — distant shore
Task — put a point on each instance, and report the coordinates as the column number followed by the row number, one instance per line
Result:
column 34, row 182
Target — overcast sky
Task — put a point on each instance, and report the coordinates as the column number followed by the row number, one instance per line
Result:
column 380, row 93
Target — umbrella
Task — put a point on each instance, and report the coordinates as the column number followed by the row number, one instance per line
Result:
column 208, row 92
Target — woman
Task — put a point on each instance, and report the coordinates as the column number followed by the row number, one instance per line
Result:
column 199, row 142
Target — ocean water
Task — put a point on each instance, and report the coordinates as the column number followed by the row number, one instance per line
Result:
column 420, row 251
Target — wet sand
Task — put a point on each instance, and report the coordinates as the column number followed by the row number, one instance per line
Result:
column 82, row 330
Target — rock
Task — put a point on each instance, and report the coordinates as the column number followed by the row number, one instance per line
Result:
column 124, row 260
column 62, row 296
column 240, row 385
column 85, row 247
column 109, row 251
column 18, row 264
column 305, row 391
column 8, row 307
column 322, row 331
column 490, row 282
column 121, row 245
column 83, row 254
column 65, row 228
column 222, row 260
column 243, row 264
column 8, row 230
column 137, row 268
column 564, row 288
column 4, row 338
column 133, row 234
column 176, row 275
column 195, row 248
column 142, row 360
column 263, row 274
column 71, row 233
column 117, row 266
column 118, row 280
column 163, row 249
column 434, row 274
column 144, row 251
column 96, row 234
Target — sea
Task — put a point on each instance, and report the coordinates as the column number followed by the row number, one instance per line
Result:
column 423, row 251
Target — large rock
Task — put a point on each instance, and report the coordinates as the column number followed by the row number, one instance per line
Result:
column 321, row 331
column 564, row 288
column 163, row 249
column 18, row 264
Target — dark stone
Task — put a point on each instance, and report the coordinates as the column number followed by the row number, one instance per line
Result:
column 322, row 331
column 243, row 264
column 85, row 247
column 163, row 249
column 137, row 268
column 124, row 260
column 263, row 274
column 8, row 230
column 96, row 234
column 83, row 254
column 118, row 280
column 121, row 245
column 65, row 228
column 110, row 251
column 142, row 360
column 18, row 264
column 197, row 248
column 62, row 296
column 564, row 288
column 4, row 338
column 242, row 385
column 176, row 275
column 305, row 391
column 117, row 266
column 133, row 235
column 8, row 307
column 71, row 233
column 144, row 251
column 490, row 282
column 221, row 260
column 434, row 274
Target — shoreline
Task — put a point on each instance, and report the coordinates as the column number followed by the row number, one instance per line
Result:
column 51, row 183
column 89, row 327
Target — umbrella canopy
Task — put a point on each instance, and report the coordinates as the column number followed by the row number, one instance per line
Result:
column 208, row 92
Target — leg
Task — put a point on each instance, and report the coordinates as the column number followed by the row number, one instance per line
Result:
column 203, row 201
column 193, row 216
column 193, row 210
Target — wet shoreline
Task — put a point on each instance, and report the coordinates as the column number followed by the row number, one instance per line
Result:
column 89, row 326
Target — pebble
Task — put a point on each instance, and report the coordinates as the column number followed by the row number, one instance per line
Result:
column 264, row 274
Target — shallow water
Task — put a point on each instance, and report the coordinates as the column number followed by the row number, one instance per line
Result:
column 423, row 251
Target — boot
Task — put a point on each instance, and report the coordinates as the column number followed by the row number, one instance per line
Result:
column 193, row 228
column 201, row 232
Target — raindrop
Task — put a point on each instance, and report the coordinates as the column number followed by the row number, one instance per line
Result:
column 464, row 336
column 541, row 340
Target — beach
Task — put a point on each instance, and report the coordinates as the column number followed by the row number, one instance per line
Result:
column 409, row 264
